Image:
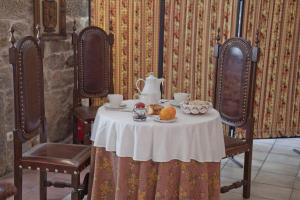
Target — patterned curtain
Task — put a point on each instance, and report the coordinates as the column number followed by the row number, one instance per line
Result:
column 135, row 25
column 277, row 111
column 189, row 37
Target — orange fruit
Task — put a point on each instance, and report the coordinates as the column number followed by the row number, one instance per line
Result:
column 172, row 110
column 167, row 113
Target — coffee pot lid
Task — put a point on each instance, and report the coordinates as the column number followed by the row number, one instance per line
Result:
column 151, row 76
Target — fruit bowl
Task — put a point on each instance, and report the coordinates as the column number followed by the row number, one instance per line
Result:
column 196, row 107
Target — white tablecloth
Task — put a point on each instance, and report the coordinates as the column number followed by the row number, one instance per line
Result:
column 197, row 137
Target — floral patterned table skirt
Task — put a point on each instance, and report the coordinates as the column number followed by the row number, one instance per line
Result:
column 113, row 177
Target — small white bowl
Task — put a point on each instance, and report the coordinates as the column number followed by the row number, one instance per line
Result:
column 196, row 107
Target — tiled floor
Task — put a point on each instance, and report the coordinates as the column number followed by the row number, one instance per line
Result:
column 275, row 174
column 31, row 188
column 275, row 171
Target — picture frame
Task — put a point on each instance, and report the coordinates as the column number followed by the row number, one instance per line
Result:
column 50, row 15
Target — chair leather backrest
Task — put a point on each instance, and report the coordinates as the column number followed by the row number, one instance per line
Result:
column 28, row 88
column 234, row 82
column 94, row 63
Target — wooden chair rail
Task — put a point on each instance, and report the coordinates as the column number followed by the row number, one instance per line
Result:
column 234, row 185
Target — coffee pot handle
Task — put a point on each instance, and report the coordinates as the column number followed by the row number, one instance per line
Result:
column 137, row 85
column 162, row 86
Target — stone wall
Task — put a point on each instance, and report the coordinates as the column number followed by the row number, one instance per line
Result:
column 58, row 72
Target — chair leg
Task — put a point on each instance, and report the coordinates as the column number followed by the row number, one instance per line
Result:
column 85, row 186
column 87, row 131
column 247, row 174
column 75, row 139
column 76, row 187
column 296, row 151
column 43, row 187
column 18, row 180
column 91, row 174
column 240, row 165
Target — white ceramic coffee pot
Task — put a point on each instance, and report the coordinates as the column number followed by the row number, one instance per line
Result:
column 151, row 90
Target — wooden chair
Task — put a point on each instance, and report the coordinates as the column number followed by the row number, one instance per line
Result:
column 92, row 74
column 27, row 61
column 7, row 190
column 234, row 96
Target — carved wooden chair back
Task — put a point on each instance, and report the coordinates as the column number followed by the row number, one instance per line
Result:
column 236, row 63
column 26, row 59
column 93, row 76
column 235, row 82
column 93, row 63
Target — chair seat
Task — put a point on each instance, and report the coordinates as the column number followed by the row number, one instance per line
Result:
column 235, row 146
column 86, row 113
column 57, row 157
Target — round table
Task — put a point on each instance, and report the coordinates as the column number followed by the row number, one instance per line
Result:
column 153, row 160
column 190, row 137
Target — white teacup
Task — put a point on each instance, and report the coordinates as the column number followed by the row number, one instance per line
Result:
column 115, row 100
column 181, row 97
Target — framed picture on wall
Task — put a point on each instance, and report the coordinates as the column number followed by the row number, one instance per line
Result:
column 50, row 15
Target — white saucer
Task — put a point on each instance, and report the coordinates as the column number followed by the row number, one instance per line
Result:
column 174, row 103
column 157, row 119
column 109, row 106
